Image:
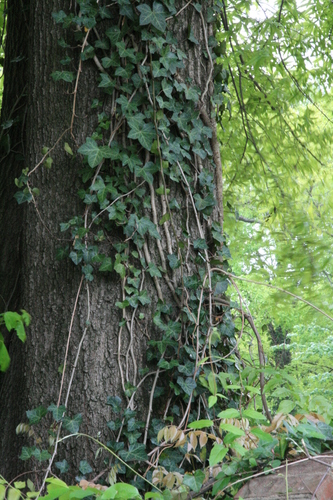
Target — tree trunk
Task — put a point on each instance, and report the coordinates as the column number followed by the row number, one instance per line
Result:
column 72, row 315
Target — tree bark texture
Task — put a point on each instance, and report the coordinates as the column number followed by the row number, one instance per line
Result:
column 32, row 278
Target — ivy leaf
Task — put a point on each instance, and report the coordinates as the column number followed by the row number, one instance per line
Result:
column 124, row 72
column 143, row 298
column 191, row 36
column 132, row 161
column 144, row 225
column 136, row 452
column 120, row 269
column 67, row 76
column 127, row 10
column 75, row 257
column 106, row 82
column 200, row 244
column 167, row 88
column 59, row 17
column 23, row 196
column 26, row 453
column 187, row 385
column 174, row 262
column 73, row 425
column 194, row 482
column 115, row 402
column 124, row 52
column 202, row 203
column 62, row 466
column 89, row 199
column 106, row 265
column 155, row 16
column 191, row 94
column 111, row 153
column 153, row 270
column 164, row 218
column 84, row 467
column 147, row 171
column 113, row 60
column 126, row 106
column 144, row 132
column 92, row 151
column 57, row 411
column 34, row 416
column 41, row 455
column 221, row 287
column 114, row 34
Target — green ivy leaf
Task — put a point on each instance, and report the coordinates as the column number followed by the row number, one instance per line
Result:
column 92, row 151
column 57, row 411
column 191, row 36
column 124, row 72
column 114, row 34
column 106, row 82
column 73, row 425
column 62, row 466
column 143, row 298
column 115, row 402
column 147, row 171
column 144, row 224
column 167, row 88
column 75, row 257
column 41, row 455
column 34, row 416
column 23, row 196
column 174, row 262
column 120, row 269
column 106, row 265
column 164, row 219
column 84, row 467
column 153, row 270
column 194, row 482
column 112, row 61
column 110, row 152
column 26, row 453
column 135, row 452
column 144, row 132
column 59, row 17
column 124, row 52
column 155, row 16
column 67, row 76
column 200, row 244
column 188, row 385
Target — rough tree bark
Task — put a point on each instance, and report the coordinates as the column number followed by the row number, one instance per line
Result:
column 31, row 277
